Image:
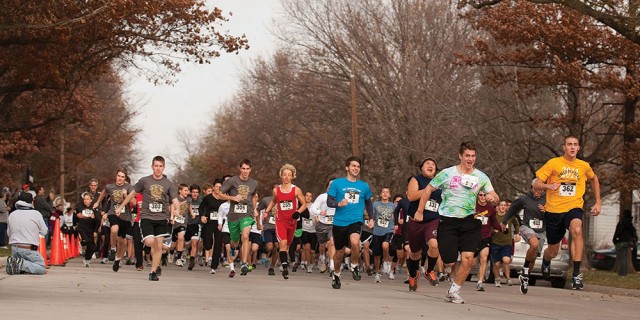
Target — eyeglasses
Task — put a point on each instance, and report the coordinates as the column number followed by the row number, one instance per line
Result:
column 481, row 195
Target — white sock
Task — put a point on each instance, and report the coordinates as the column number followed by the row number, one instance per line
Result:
column 331, row 265
column 353, row 266
column 231, row 266
column 454, row 288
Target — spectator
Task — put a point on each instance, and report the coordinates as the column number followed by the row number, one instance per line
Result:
column 43, row 205
column 4, row 215
column 625, row 237
column 68, row 222
column 24, row 226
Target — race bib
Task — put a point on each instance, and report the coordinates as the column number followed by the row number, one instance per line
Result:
column 469, row 181
column 286, row 205
column 240, row 208
column 178, row 219
column 567, row 190
column 272, row 220
column 383, row 223
column 483, row 219
column 432, row 206
column 307, row 222
column 352, row 197
column 194, row 211
column 155, row 207
column 328, row 219
column 536, row 224
column 213, row 215
column 87, row 213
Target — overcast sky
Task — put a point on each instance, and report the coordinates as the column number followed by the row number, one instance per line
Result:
column 190, row 104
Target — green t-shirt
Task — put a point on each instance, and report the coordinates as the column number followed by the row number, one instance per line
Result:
column 460, row 191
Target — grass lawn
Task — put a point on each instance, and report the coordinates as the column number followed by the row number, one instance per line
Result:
column 612, row 279
column 4, row 252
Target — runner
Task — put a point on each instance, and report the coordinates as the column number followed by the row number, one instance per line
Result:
column 240, row 190
column 382, row 232
column 309, row 238
column 157, row 192
column 323, row 216
column 423, row 235
column 119, row 220
column 180, row 226
column 399, row 241
column 86, row 217
column 564, row 178
column 532, row 229
column 486, row 214
column 502, row 244
column 211, row 229
column 192, row 234
column 349, row 196
column 196, row 200
column 269, row 231
column 288, row 212
column 458, row 231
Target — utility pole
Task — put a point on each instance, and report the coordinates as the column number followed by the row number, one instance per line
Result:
column 355, row 147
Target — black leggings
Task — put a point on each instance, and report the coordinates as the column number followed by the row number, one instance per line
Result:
column 212, row 238
column 87, row 239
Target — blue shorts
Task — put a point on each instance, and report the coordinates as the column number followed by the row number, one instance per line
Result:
column 558, row 223
column 499, row 252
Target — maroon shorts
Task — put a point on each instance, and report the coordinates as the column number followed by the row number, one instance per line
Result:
column 419, row 234
column 285, row 230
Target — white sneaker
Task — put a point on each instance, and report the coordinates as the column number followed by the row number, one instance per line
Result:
column 323, row 267
column 498, row 285
column 179, row 263
column 104, row 260
column 509, row 283
column 212, row 271
column 453, row 298
column 86, row 263
column 310, row 269
column 391, row 276
column 377, row 278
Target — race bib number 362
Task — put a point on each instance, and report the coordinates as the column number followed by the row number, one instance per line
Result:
column 567, row 190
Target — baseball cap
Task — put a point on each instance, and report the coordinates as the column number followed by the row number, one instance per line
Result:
column 427, row 159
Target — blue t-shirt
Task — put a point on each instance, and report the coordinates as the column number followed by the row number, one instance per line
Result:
column 355, row 193
column 383, row 218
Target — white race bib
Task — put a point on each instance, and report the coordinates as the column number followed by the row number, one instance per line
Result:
column 240, row 208
column 432, row 206
column 87, row 213
column 469, row 181
column 213, row 215
column 328, row 219
column 483, row 219
column 155, row 207
column 178, row 219
column 352, row 197
column 194, row 211
column 567, row 190
column 286, row 205
column 536, row 224
column 272, row 220
column 383, row 223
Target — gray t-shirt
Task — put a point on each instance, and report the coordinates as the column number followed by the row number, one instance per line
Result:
column 235, row 186
column 156, row 197
column 180, row 220
column 383, row 218
column 116, row 195
column 268, row 218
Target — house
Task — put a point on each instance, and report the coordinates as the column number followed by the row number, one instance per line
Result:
column 602, row 227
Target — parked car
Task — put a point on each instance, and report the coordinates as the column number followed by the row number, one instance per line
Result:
column 605, row 259
column 559, row 265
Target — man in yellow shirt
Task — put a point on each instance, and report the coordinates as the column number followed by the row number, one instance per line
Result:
column 565, row 178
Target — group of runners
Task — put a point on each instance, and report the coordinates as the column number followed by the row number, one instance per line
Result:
column 435, row 223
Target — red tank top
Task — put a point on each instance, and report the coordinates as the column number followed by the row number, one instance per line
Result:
column 287, row 203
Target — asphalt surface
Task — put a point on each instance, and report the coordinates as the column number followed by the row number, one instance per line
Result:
column 75, row 292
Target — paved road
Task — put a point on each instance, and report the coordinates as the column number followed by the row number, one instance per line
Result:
column 74, row 292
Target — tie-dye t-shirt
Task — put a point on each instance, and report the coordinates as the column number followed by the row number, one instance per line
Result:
column 460, row 191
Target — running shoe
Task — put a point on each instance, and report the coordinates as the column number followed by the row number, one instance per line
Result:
column 129, row 262
column 104, row 261
column 406, row 280
column 524, row 283
column 200, row 261
column 413, row 283
column 498, row 285
column 244, row 270
column 9, row 266
column 212, row 271
column 285, row 273
column 153, row 276
column 479, row 286
column 140, row 268
column 356, row 274
column 453, row 298
column 192, row 263
column 392, row 275
column 295, row 267
column 272, row 272
column 442, row 277
column 86, row 263
column 310, row 269
column 509, row 283
column 576, row 282
column 208, row 262
column 335, row 282
column 179, row 263
column 252, row 267
column 112, row 255
column 18, row 262
column 116, row 265
column 323, row 267
column 159, row 271
column 546, row 272
column 376, row 279
column 431, row 276
column 369, row 271
column 163, row 261
column 232, row 273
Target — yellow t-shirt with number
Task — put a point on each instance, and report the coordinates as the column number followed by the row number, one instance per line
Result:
column 572, row 176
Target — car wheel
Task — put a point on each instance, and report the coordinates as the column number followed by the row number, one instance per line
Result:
column 558, row 282
column 532, row 281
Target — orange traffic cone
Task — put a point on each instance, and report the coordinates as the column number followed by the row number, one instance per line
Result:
column 57, row 247
column 74, row 246
column 43, row 251
column 65, row 241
